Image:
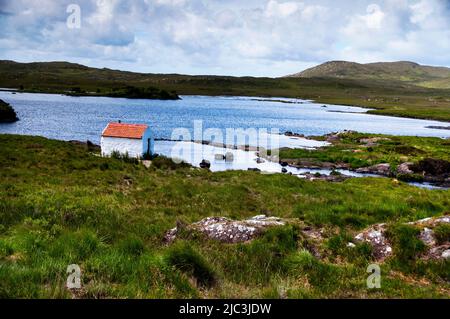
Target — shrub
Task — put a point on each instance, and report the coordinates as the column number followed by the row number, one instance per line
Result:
column 124, row 157
column 163, row 162
column 183, row 257
column 432, row 166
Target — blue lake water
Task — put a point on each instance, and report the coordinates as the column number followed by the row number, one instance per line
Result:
column 83, row 118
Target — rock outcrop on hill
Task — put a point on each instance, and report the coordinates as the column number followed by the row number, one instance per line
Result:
column 230, row 231
column 376, row 237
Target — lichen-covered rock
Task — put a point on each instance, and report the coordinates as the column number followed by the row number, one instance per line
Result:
column 375, row 236
column 227, row 230
column 431, row 222
column 427, row 236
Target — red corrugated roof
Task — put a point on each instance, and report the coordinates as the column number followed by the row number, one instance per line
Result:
column 125, row 130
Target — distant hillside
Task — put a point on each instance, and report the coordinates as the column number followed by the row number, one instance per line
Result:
column 403, row 71
column 342, row 83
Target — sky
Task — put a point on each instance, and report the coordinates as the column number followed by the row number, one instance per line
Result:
column 225, row 37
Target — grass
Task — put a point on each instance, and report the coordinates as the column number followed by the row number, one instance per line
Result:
column 62, row 204
column 383, row 96
column 442, row 233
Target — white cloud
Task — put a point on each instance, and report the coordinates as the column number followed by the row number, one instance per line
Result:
column 280, row 9
column 268, row 37
column 374, row 16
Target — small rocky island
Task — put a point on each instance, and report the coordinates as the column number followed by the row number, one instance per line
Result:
column 7, row 113
column 129, row 92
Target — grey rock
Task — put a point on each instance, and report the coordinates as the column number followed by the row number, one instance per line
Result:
column 229, row 231
column 404, row 168
column 379, row 169
column 427, row 236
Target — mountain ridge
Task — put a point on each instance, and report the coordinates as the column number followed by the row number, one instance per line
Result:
column 400, row 71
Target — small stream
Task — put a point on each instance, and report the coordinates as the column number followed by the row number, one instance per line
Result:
column 193, row 153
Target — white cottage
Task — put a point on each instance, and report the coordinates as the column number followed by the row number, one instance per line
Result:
column 134, row 139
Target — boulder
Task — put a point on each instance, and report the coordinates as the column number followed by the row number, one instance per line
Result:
column 227, row 230
column 375, row 236
column 379, row 169
column 427, row 236
column 404, row 168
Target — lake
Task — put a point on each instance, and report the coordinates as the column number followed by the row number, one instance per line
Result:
column 83, row 118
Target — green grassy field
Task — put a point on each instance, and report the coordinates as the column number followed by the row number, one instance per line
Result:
column 388, row 97
column 61, row 204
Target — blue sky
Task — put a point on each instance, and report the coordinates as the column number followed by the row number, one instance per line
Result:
column 234, row 37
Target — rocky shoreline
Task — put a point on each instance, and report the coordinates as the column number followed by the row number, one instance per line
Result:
column 427, row 170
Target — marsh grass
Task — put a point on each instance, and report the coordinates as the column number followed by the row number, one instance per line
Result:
column 60, row 204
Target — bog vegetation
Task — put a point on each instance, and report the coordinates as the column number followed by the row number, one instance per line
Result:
column 62, row 204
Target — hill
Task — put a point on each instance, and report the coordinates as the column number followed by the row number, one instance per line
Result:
column 384, row 96
column 403, row 71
